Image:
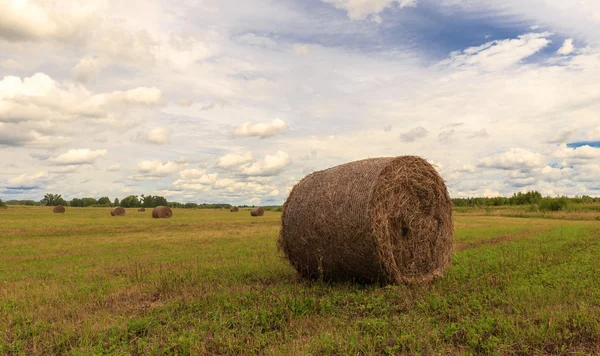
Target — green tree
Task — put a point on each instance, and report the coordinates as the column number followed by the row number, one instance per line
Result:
column 104, row 201
column 2, row 205
column 53, row 200
column 151, row 201
column 116, row 203
column 130, row 201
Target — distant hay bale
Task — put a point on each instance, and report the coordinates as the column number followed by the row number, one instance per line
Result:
column 162, row 212
column 118, row 211
column 258, row 211
column 376, row 220
column 59, row 209
column 141, row 210
column 234, row 209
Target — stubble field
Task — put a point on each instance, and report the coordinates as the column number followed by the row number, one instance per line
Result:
column 213, row 282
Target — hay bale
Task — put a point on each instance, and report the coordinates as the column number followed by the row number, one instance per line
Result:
column 234, row 209
column 376, row 220
column 258, row 211
column 59, row 209
column 162, row 212
column 141, row 210
column 118, row 211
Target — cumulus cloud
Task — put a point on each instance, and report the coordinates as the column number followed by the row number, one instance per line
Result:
column 25, row 20
column 446, row 136
column 78, row 157
column 270, row 165
column 578, row 155
column 155, row 169
column 562, row 135
column 157, row 136
column 195, row 179
column 513, row 159
column 114, row 167
column 28, row 180
column 567, row 47
column 262, row 130
column 479, row 134
column 233, row 160
column 413, row 134
column 500, row 54
column 219, row 103
column 40, row 98
column 360, row 9
column 87, row 68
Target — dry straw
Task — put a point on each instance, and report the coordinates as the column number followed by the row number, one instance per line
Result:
column 234, row 209
column 258, row 211
column 162, row 212
column 59, row 209
column 118, row 211
column 376, row 220
column 141, row 210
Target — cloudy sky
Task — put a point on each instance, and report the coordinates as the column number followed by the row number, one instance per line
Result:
column 235, row 101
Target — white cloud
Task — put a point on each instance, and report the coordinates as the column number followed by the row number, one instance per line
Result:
column 301, row 49
column 413, row 134
column 158, row 136
column 195, row 179
column 262, row 130
column 114, row 167
column 252, row 39
column 269, row 166
column 28, row 180
column 515, row 158
column 87, row 68
column 234, row 160
column 578, row 155
column 497, row 55
column 78, row 157
column 21, row 19
column 153, row 169
column 563, row 135
column 567, row 47
column 360, row 9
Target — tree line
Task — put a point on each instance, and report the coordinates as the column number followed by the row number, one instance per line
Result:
column 533, row 198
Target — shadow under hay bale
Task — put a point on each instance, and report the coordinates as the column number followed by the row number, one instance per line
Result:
column 377, row 220
column 59, row 209
column 162, row 212
column 259, row 211
column 141, row 210
column 234, row 209
column 118, row 211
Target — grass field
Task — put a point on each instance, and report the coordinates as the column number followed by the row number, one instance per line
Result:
column 212, row 282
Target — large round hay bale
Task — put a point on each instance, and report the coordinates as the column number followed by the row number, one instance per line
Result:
column 234, row 209
column 258, row 211
column 118, row 211
column 376, row 220
column 162, row 212
column 141, row 210
column 59, row 209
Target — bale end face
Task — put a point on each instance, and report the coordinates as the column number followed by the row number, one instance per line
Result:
column 118, row 211
column 380, row 219
column 259, row 211
column 162, row 212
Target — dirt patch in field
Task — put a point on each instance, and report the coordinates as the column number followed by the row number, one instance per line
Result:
column 461, row 246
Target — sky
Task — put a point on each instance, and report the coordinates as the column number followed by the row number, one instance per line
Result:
column 234, row 102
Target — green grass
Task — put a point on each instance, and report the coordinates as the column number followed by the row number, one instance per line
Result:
column 212, row 282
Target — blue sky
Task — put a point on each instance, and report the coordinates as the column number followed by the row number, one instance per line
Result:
column 228, row 101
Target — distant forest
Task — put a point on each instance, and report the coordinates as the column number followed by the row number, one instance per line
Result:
column 532, row 197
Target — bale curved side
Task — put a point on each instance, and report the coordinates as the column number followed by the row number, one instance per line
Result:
column 380, row 219
column 258, row 211
column 162, row 212
column 141, row 210
column 118, row 211
column 234, row 209
column 59, row 209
